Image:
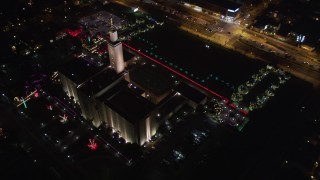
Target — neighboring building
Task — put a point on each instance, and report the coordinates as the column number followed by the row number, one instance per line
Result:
column 100, row 22
column 130, row 114
column 229, row 10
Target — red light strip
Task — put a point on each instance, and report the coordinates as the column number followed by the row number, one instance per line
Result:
column 244, row 112
column 235, row 107
column 232, row 105
column 176, row 72
column 74, row 33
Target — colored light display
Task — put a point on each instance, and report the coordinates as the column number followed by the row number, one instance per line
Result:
column 92, row 144
column 64, row 118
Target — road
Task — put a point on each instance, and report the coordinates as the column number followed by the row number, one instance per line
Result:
column 295, row 60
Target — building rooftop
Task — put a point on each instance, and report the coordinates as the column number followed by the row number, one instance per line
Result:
column 126, row 102
column 99, row 82
column 127, row 55
column 190, row 92
column 136, row 90
column 79, row 70
column 169, row 106
column 130, row 106
column 122, row 84
column 152, row 79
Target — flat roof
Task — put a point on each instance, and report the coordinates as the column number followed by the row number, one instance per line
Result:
column 79, row 70
column 136, row 90
column 190, row 92
column 99, row 82
column 171, row 104
column 127, row 55
column 130, row 106
column 113, row 90
column 152, row 78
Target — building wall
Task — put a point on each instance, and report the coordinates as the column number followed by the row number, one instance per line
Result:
column 118, row 123
column 85, row 105
column 147, row 128
column 116, row 57
column 90, row 109
column 95, row 108
column 69, row 87
column 147, row 94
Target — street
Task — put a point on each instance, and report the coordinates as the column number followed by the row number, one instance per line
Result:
column 295, row 60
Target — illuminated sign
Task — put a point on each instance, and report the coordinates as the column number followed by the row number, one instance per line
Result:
column 197, row 8
column 230, row 10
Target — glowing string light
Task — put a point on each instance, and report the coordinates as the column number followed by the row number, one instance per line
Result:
column 24, row 103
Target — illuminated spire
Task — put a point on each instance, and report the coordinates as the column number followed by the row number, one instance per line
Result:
column 113, row 32
column 112, row 28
